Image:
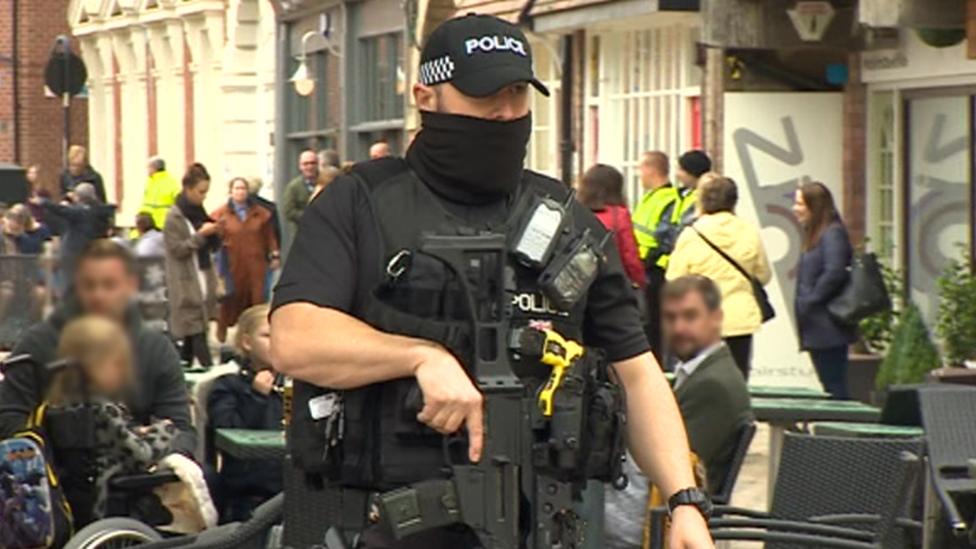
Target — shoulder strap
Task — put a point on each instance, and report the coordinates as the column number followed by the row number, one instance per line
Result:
column 374, row 172
column 724, row 255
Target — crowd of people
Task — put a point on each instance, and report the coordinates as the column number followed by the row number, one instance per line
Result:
column 694, row 265
column 690, row 227
column 700, row 268
column 61, row 253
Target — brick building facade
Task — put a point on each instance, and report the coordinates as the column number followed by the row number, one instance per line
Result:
column 31, row 127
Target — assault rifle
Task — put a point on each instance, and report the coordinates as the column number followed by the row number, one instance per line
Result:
column 506, row 500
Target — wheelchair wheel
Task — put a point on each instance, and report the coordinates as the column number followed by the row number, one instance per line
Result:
column 112, row 533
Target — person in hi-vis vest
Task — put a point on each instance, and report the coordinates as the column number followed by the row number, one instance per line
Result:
column 653, row 210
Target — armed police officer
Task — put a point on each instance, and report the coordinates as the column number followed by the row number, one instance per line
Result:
column 362, row 317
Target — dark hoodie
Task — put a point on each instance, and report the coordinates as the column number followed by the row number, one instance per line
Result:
column 160, row 391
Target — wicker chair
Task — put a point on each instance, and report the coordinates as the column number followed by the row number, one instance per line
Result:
column 833, row 492
column 948, row 415
column 656, row 516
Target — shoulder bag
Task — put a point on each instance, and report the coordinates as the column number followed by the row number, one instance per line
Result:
column 762, row 298
column 864, row 294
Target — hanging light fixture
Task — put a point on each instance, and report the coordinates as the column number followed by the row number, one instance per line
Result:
column 303, row 82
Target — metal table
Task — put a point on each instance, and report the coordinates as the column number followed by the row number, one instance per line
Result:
column 865, row 430
column 251, row 444
column 786, row 413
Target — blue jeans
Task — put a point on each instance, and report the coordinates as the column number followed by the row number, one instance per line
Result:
column 831, row 365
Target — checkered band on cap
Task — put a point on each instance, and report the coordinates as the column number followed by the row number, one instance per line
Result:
column 436, row 70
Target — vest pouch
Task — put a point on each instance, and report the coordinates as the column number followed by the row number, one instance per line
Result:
column 606, row 423
column 306, row 436
column 409, row 451
column 426, row 288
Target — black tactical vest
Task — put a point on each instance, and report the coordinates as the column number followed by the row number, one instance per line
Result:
column 383, row 446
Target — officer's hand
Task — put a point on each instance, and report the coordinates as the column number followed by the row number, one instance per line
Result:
column 689, row 530
column 450, row 399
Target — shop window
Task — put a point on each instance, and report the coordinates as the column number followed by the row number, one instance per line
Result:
column 543, row 153
column 382, row 63
column 939, row 190
column 639, row 82
column 883, row 198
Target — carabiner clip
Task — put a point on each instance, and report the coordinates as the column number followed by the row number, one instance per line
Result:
column 398, row 265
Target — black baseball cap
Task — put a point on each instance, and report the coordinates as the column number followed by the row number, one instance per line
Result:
column 479, row 55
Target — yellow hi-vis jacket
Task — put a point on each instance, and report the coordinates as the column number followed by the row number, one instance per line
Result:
column 159, row 196
column 650, row 211
column 681, row 214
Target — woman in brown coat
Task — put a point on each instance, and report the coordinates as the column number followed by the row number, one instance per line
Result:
column 251, row 250
column 191, row 237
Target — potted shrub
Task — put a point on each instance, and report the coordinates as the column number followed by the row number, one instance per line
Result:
column 956, row 321
column 911, row 354
column 875, row 338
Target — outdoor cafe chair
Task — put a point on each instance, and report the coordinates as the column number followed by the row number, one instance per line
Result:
column 834, row 492
column 744, row 438
column 949, row 417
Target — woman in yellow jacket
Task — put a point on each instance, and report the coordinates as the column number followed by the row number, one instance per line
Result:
column 740, row 240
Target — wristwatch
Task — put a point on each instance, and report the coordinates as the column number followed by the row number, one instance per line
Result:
column 691, row 496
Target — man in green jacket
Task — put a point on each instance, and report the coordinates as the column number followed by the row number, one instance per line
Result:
column 711, row 392
column 652, row 211
column 299, row 190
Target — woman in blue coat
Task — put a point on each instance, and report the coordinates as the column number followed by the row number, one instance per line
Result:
column 822, row 274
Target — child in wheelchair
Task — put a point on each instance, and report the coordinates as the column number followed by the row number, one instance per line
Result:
column 95, row 374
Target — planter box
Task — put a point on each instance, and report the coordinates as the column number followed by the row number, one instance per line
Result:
column 861, row 374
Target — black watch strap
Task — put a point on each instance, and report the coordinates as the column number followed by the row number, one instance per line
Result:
column 695, row 497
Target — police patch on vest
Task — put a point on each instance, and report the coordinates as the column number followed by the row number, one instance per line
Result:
column 487, row 44
column 536, row 303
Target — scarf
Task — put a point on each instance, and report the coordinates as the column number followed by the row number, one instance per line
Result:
column 197, row 216
column 470, row 160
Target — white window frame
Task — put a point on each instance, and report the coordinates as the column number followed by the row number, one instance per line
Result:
column 543, row 151
column 669, row 51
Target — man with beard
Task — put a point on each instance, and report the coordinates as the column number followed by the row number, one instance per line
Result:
column 462, row 173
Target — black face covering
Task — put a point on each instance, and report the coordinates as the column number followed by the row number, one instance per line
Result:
column 470, row 160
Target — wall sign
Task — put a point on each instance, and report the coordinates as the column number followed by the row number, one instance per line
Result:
column 773, row 142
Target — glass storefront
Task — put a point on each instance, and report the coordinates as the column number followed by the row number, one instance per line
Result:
column 939, row 190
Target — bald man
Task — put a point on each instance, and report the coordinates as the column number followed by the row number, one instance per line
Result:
column 299, row 190
column 380, row 149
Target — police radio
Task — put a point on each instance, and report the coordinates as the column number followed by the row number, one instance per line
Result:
column 566, row 278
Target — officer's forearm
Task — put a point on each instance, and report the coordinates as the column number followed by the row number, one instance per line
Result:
column 329, row 348
column 655, row 430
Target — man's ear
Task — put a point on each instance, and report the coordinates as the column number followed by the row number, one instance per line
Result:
column 425, row 97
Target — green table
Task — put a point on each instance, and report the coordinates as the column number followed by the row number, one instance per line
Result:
column 772, row 391
column 791, row 411
column 250, row 444
column 786, row 413
column 865, row 430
